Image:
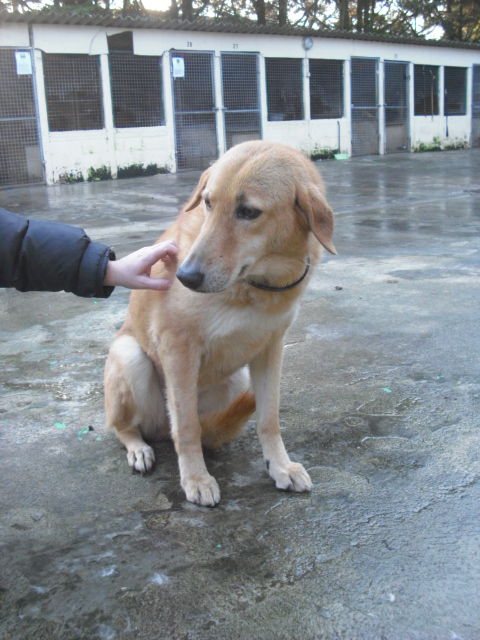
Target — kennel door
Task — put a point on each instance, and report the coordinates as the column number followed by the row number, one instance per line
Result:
column 196, row 144
column 364, row 91
column 476, row 106
column 241, row 102
column 20, row 155
column 396, row 107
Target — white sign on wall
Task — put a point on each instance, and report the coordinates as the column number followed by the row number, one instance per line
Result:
column 178, row 66
column 23, row 62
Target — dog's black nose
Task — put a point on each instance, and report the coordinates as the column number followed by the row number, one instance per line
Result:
column 190, row 276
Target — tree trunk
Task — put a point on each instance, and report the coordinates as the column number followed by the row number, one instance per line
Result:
column 259, row 6
column 359, row 15
column 173, row 11
column 344, row 15
column 187, row 10
column 282, row 12
column 460, row 21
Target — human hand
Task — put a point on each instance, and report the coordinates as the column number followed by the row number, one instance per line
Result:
column 133, row 271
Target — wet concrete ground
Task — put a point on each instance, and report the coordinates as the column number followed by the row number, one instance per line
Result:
column 380, row 401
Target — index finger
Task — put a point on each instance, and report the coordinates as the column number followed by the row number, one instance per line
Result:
column 163, row 249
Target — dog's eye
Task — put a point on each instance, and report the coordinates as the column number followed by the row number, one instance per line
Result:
column 247, row 213
column 208, row 204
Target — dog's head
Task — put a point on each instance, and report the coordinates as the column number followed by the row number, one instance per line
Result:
column 260, row 201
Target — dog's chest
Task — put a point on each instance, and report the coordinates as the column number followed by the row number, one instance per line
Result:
column 232, row 337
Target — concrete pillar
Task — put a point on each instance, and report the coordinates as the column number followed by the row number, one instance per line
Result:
column 381, row 106
column 108, row 112
column 262, row 86
column 219, row 110
column 307, row 115
column 411, row 103
column 346, row 122
column 42, row 115
column 168, row 108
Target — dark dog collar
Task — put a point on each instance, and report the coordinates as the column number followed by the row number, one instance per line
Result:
column 267, row 287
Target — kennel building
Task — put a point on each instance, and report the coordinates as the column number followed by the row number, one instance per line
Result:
column 91, row 97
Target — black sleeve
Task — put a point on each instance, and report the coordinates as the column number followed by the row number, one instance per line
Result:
column 36, row 255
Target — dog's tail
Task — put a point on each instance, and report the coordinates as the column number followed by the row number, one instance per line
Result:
column 222, row 426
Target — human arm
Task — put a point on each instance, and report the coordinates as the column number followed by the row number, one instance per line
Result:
column 38, row 255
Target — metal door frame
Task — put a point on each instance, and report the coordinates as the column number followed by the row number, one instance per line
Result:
column 376, row 106
column 214, row 110
column 35, row 118
column 225, row 109
column 407, row 104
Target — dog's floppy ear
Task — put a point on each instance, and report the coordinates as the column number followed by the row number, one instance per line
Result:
column 311, row 202
column 197, row 194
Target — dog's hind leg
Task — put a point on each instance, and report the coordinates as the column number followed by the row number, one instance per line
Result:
column 140, row 455
column 225, row 408
column 134, row 401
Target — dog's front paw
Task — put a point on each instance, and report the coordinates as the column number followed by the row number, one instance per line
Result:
column 202, row 490
column 142, row 459
column 291, row 477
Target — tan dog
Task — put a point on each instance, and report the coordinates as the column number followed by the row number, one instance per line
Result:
column 246, row 240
